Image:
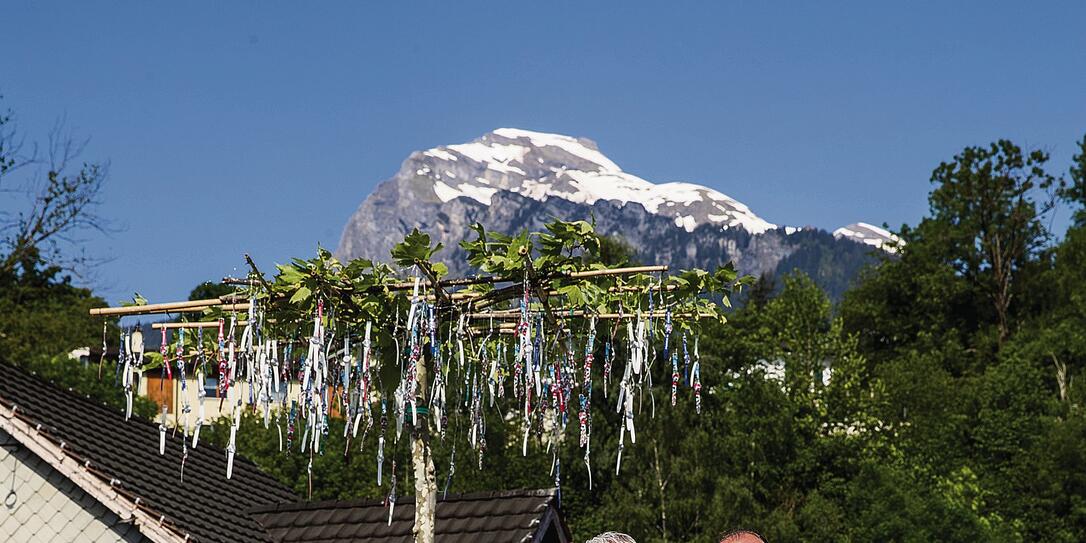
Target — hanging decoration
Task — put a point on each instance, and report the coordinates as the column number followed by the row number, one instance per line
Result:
column 545, row 320
column 201, row 376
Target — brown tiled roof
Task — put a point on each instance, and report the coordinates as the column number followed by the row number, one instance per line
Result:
column 206, row 507
column 515, row 515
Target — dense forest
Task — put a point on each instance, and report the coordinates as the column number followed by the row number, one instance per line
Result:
column 937, row 401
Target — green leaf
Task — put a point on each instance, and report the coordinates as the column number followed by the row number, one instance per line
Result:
column 300, row 295
column 414, row 247
column 136, row 300
column 289, row 274
column 573, row 294
column 151, row 360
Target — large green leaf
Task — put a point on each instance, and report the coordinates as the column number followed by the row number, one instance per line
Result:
column 300, row 295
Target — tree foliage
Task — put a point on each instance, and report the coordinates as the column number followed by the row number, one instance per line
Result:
column 43, row 314
column 986, row 221
column 911, row 412
column 941, row 400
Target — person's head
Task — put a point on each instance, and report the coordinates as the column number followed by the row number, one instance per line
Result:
column 741, row 536
column 611, row 537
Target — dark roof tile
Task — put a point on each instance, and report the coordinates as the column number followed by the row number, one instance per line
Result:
column 468, row 518
column 206, row 505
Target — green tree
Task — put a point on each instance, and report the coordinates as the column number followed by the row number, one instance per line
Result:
column 759, row 294
column 42, row 313
column 985, row 218
column 1075, row 191
column 975, row 342
column 615, row 251
column 208, row 290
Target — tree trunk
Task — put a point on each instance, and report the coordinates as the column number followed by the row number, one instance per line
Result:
column 661, row 485
column 423, row 463
column 1061, row 377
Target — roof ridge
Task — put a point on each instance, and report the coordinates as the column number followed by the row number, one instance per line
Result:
column 410, row 500
column 117, row 416
column 34, row 399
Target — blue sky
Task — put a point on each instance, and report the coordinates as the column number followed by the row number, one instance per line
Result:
column 238, row 127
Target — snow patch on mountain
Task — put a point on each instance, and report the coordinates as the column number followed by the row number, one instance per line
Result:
column 494, row 156
column 541, row 166
column 869, row 234
column 566, row 143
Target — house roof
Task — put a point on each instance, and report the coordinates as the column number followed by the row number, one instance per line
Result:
column 122, row 458
column 519, row 515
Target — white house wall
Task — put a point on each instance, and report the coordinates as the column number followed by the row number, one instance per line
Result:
column 47, row 506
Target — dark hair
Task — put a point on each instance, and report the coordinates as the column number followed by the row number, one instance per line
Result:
column 740, row 532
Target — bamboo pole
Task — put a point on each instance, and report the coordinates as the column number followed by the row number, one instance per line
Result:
column 496, row 329
column 139, row 310
column 614, row 271
column 626, row 288
column 481, row 279
column 576, row 314
column 460, row 282
column 154, row 308
column 455, row 296
column 199, row 305
column 190, row 325
column 233, row 307
column 238, row 281
column 226, row 307
column 634, row 288
column 191, row 306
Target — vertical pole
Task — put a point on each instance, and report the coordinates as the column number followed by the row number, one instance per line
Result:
column 423, row 463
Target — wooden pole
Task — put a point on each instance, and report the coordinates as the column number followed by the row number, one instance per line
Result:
column 422, row 461
column 482, row 279
column 237, row 281
column 169, row 307
column 614, row 271
column 577, row 314
column 456, row 296
column 187, row 325
column 233, row 307
column 194, row 306
column 459, row 282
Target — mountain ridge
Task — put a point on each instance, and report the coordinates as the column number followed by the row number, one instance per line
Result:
column 512, row 179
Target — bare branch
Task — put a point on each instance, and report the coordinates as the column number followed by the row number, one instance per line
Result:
column 62, row 204
column 12, row 146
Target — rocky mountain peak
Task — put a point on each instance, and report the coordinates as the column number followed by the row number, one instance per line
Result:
column 540, row 166
column 512, row 180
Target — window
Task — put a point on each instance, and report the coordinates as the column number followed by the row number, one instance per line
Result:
column 211, row 387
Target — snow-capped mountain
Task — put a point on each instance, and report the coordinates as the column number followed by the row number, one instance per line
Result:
column 512, row 179
column 542, row 166
column 869, row 234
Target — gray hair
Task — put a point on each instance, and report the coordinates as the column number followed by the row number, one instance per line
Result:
column 611, row 537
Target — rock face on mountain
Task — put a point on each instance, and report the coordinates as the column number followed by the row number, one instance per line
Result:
column 511, row 180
